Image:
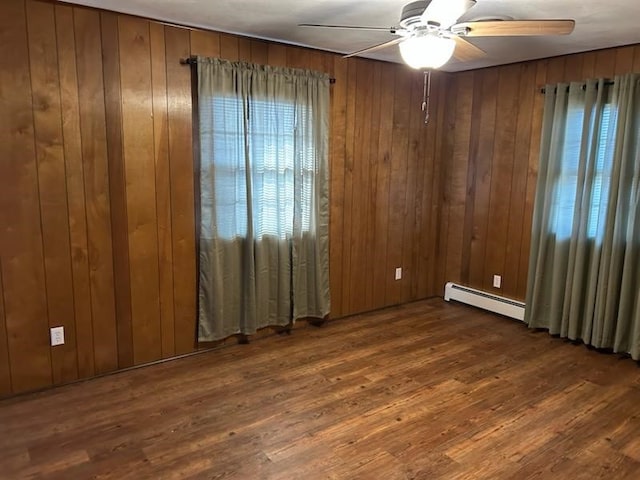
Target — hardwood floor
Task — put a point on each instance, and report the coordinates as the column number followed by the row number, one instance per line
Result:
column 424, row 391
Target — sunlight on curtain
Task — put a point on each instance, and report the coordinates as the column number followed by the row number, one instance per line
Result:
column 584, row 268
column 263, row 196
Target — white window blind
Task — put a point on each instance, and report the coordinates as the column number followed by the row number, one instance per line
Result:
column 258, row 137
column 564, row 207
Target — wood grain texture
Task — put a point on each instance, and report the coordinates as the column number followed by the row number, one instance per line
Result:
column 229, row 48
column 383, row 172
column 74, row 170
column 347, row 216
column 428, row 390
column 47, row 115
column 117, row 187
column 372, row 194
column 429, row 162
column 336, row 192
column 507, row 108
column 23, row 271
column 475, row 224
column 532, row 179
column 397, row 185
column 96, row 185
column 163, row 188
column 5, row 366
column 97, row 213
column 182, row 193
column 412, row 201
column 513, row 242
column 206, row 44
column 360, row 187
column 457, row 175
column 277, row 55
column 259, row 52
column 138, row 151
column 504, row 152
column 636, row 60
column 624, row 60
column 447, row 132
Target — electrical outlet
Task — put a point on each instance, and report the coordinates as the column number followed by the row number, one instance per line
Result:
column 398, row 273
column 497, row 281
column 57, row 336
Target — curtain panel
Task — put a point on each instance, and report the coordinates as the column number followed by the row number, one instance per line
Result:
column 264, row 197
column 584, row 267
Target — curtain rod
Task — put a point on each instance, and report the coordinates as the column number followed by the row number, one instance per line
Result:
column 584, row 86
column 194, row 60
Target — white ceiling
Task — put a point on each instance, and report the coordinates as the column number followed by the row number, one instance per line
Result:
column 599, row 23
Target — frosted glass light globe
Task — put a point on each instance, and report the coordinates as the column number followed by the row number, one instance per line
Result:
column 427, row 51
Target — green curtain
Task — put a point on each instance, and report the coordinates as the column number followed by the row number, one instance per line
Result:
column 584, row 266
column 264, row 197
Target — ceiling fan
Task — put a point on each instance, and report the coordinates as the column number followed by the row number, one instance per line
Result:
column 428, row 35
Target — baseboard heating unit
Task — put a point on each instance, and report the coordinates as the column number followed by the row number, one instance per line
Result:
column 484, row 300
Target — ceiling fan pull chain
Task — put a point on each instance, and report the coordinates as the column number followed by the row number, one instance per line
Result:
column 426, row 95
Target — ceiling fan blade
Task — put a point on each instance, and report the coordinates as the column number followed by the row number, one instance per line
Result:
column 466, row 51
column 514, row 28
column 349, row 27
column 380, row 46
column 446, row 12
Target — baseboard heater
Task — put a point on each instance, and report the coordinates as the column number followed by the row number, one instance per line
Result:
column 484, row 300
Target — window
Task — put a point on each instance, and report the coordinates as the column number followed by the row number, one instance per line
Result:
column 566, row 190
column 278, row 185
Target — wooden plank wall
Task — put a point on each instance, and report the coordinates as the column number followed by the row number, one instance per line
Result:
column 97, row 187
column 490, row 162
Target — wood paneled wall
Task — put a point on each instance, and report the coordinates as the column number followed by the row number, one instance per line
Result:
column 490, row 162
column 97, row 187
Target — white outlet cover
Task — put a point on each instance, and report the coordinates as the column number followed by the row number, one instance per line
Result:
column 57, row 336
column 398, row 273
column 497, row 281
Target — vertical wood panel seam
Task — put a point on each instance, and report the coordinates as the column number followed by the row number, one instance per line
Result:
column 66, row 189
column 124, row 203
column 6, row 337
column 155, row 178
column 84, row 192
column 521, row 71
column 447, row 173
column 169, row 170
column 37, row 169
column 493, row 156
column 84, row 189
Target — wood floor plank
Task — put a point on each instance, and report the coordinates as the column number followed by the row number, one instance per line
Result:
column 425, row 390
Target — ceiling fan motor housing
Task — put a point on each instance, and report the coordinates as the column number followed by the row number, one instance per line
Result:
column 412, row 11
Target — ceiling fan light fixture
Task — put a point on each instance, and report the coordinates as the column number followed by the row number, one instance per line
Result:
column 427, row 51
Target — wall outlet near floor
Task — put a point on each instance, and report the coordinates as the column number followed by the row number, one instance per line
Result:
column 398, row 273
column 57, row 336
column 497, row 281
